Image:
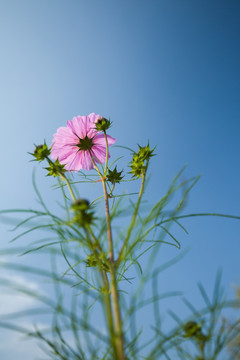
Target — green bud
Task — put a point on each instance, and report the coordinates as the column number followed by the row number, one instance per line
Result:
column 194, row 330
column 114, row 176
column 191, row 328
column 97, row 260
column 55, row 168
column 140, row 160
column 80, row 205
column 144, row 153
column 102, row 124
column 83, row 215
column 41, row 152
column 83, row 218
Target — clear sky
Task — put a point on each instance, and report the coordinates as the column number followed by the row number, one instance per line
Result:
column 164, row 71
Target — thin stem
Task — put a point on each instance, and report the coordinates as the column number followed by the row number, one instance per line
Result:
column 106, row 293
column 111, row 190
column 96, row 242
column 118, row 333
column 109, row 229
column 108, row 308
column 133, row 217
column 114, row 289
column 66, row 179
column 69, row 186
column 117, row 315
column 96, row 167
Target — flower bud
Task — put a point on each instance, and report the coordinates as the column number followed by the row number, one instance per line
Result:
column 83, row 215
column 41, row 152
column 191, row 328
column 97, row 260
column 140, row 160
column 55, row 168
column 80, row 205
column 102, row 124
column 37, row 148
column 114, row 176
column 144, row 153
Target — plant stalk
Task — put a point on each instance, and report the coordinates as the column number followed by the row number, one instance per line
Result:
column 108, row 308
column 117, row 339
column 133, row 217
column 114, row 290
column 69, row 187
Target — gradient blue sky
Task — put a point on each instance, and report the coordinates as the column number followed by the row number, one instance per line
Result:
column 163, row 70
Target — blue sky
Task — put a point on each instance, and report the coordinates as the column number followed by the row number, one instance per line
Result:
column 164, row 71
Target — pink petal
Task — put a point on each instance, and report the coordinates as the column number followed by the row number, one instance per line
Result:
column 99, row 154
column 77, row 126
column 91, row 132
column 64, row 135
column 73, row 162
column 93, row 117
column 87, row 161
column 100, row 140
column 63, row 153
column 66, row 138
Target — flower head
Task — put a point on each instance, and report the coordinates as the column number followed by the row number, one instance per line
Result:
column 79, row 143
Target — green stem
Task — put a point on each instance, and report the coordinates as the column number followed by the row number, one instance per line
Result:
column 108, row 308
column 106, row 293
column 114, row 290
column 69, row 186
column 96, row 167
column 118, row 333
column 111, row 191
column 65, row 178
column 106, row 296
column 96, row 242
column 133, row 217
column 117, row 315
column 109, row 229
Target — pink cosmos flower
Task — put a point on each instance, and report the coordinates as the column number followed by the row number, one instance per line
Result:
column 76, row 144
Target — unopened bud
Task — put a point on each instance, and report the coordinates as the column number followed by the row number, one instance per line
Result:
column 37, row 148
column 80, row 205
column 55, row 168
column 41, row 152
column 102, row 124
column 140, row 160
column 114, row 176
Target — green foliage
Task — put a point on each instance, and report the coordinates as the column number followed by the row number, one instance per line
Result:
column 91, row 275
